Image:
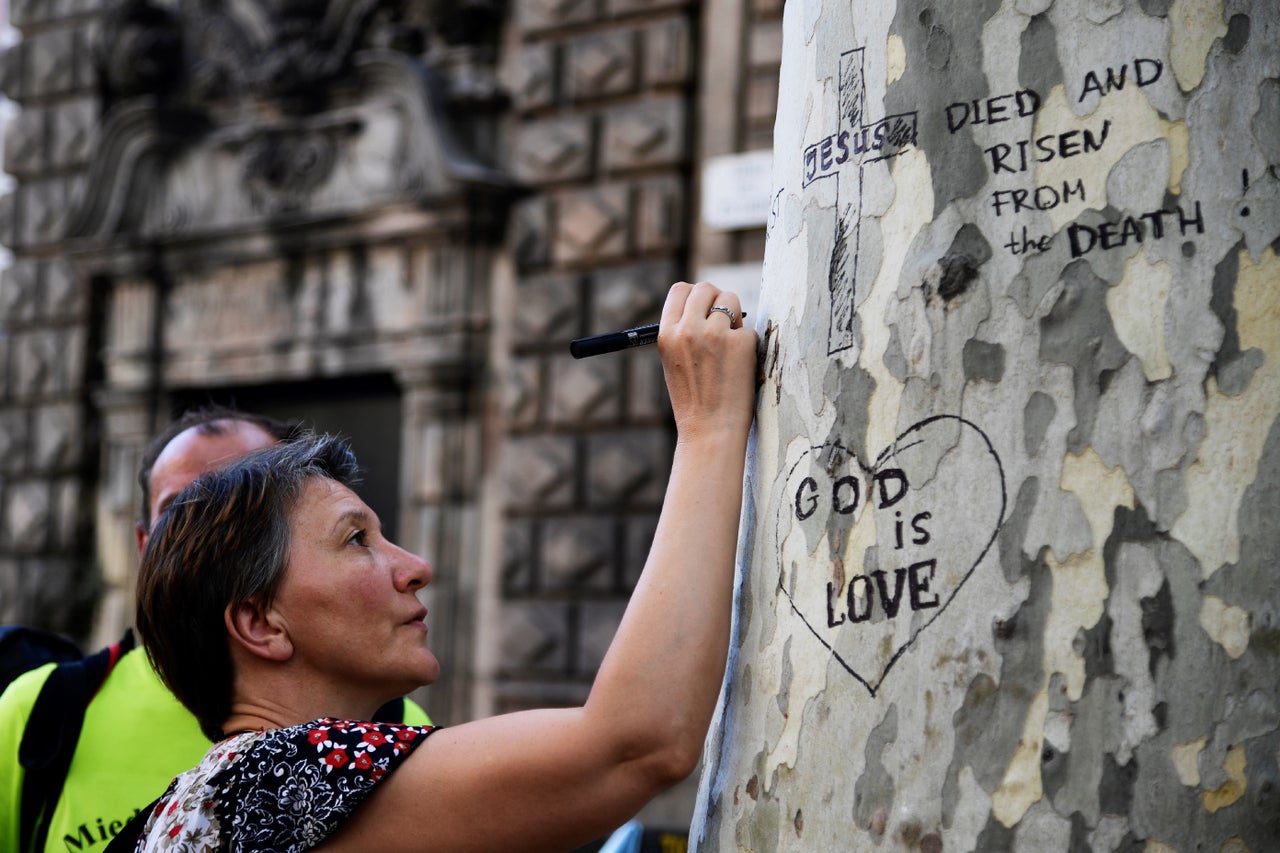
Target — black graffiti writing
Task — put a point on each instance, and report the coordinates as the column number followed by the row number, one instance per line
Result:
column 1045, row 197
column 846, row 492
column 864, row 629
column 920, row 534
column 862, row 592
column 882, row 489
column 1024, row 154
column 891, row 133
column 1084, row 239
column 1026, row 243
column 995, row 110
column 1145, row 72
column 857, row 142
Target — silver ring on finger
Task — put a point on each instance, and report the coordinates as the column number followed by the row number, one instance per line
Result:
column 728, row 312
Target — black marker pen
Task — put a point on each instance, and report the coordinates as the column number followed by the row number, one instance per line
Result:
column 614, row 341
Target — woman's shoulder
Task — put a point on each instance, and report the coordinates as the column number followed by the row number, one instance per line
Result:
column 349, row 746
column 287, row 789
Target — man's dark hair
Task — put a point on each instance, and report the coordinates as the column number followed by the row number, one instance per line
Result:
column 224, row 541
column 208, row 420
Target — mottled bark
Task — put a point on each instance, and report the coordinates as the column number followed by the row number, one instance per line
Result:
column 1009, row 578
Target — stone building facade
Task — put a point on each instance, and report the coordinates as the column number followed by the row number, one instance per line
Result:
column 388, row 218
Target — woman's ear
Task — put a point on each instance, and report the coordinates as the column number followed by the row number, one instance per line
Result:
column 259, row 631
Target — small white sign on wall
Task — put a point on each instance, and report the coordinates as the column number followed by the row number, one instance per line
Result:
column 736, row 190
column 742, row 279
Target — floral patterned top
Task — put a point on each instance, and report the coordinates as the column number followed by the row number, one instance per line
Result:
column 279, row 789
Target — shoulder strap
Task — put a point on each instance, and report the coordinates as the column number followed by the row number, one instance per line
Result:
column 23, row 648
column 392, row 712
column 126, row 840
column 53, row 728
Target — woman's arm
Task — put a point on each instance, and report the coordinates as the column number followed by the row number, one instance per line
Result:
column 554, row 779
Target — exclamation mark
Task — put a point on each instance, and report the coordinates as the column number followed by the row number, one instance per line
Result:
column 1244, row 179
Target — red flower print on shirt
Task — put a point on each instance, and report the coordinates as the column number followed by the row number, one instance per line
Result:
column 271, row 790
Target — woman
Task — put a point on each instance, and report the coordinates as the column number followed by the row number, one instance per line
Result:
column 275, row 610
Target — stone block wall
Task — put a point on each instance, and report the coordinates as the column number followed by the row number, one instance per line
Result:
column 603, row 96
column 47, row 457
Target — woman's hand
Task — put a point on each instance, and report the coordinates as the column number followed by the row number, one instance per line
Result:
column 709, row 360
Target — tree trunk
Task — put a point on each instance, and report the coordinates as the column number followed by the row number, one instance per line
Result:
column 1011, row 544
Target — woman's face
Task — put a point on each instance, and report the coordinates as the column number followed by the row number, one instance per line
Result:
column 348, row 597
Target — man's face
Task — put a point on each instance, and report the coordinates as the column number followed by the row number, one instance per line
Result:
column 192, row 453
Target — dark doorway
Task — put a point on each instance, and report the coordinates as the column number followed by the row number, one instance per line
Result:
column 365, row 409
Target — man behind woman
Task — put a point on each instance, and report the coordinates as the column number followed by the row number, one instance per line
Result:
column 135, row 735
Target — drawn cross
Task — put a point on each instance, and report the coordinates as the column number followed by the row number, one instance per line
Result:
column 855, row 143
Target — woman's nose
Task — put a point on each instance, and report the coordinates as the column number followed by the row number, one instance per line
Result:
column 412, row 572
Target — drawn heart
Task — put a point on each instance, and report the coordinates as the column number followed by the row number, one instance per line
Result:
column 871, row 555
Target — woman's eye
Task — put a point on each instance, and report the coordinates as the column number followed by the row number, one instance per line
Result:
column 360, row 537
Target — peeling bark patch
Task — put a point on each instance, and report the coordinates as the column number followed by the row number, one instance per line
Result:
column 1266, row 122
column 1227, row 625
column 1138, row 305
column 1193, row 30
column 1078, row 332
column 960, row 265
column 1038, row 66
column 784, row 686
column 1263, row 798
column 873, row 793
column 996, row 837
column 957, row 272
column 1037, row 415
column 1079, row 841
column 1099, row 660
column 1157, row 627
column 1115, row 790
column 1252, row 581
column 937, row 48
column 1237, row 34
column 1222, row 302
column 1186, row 757
column 894, row 358
column 1233, row 789
column 983, row 361
column 758, row 830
